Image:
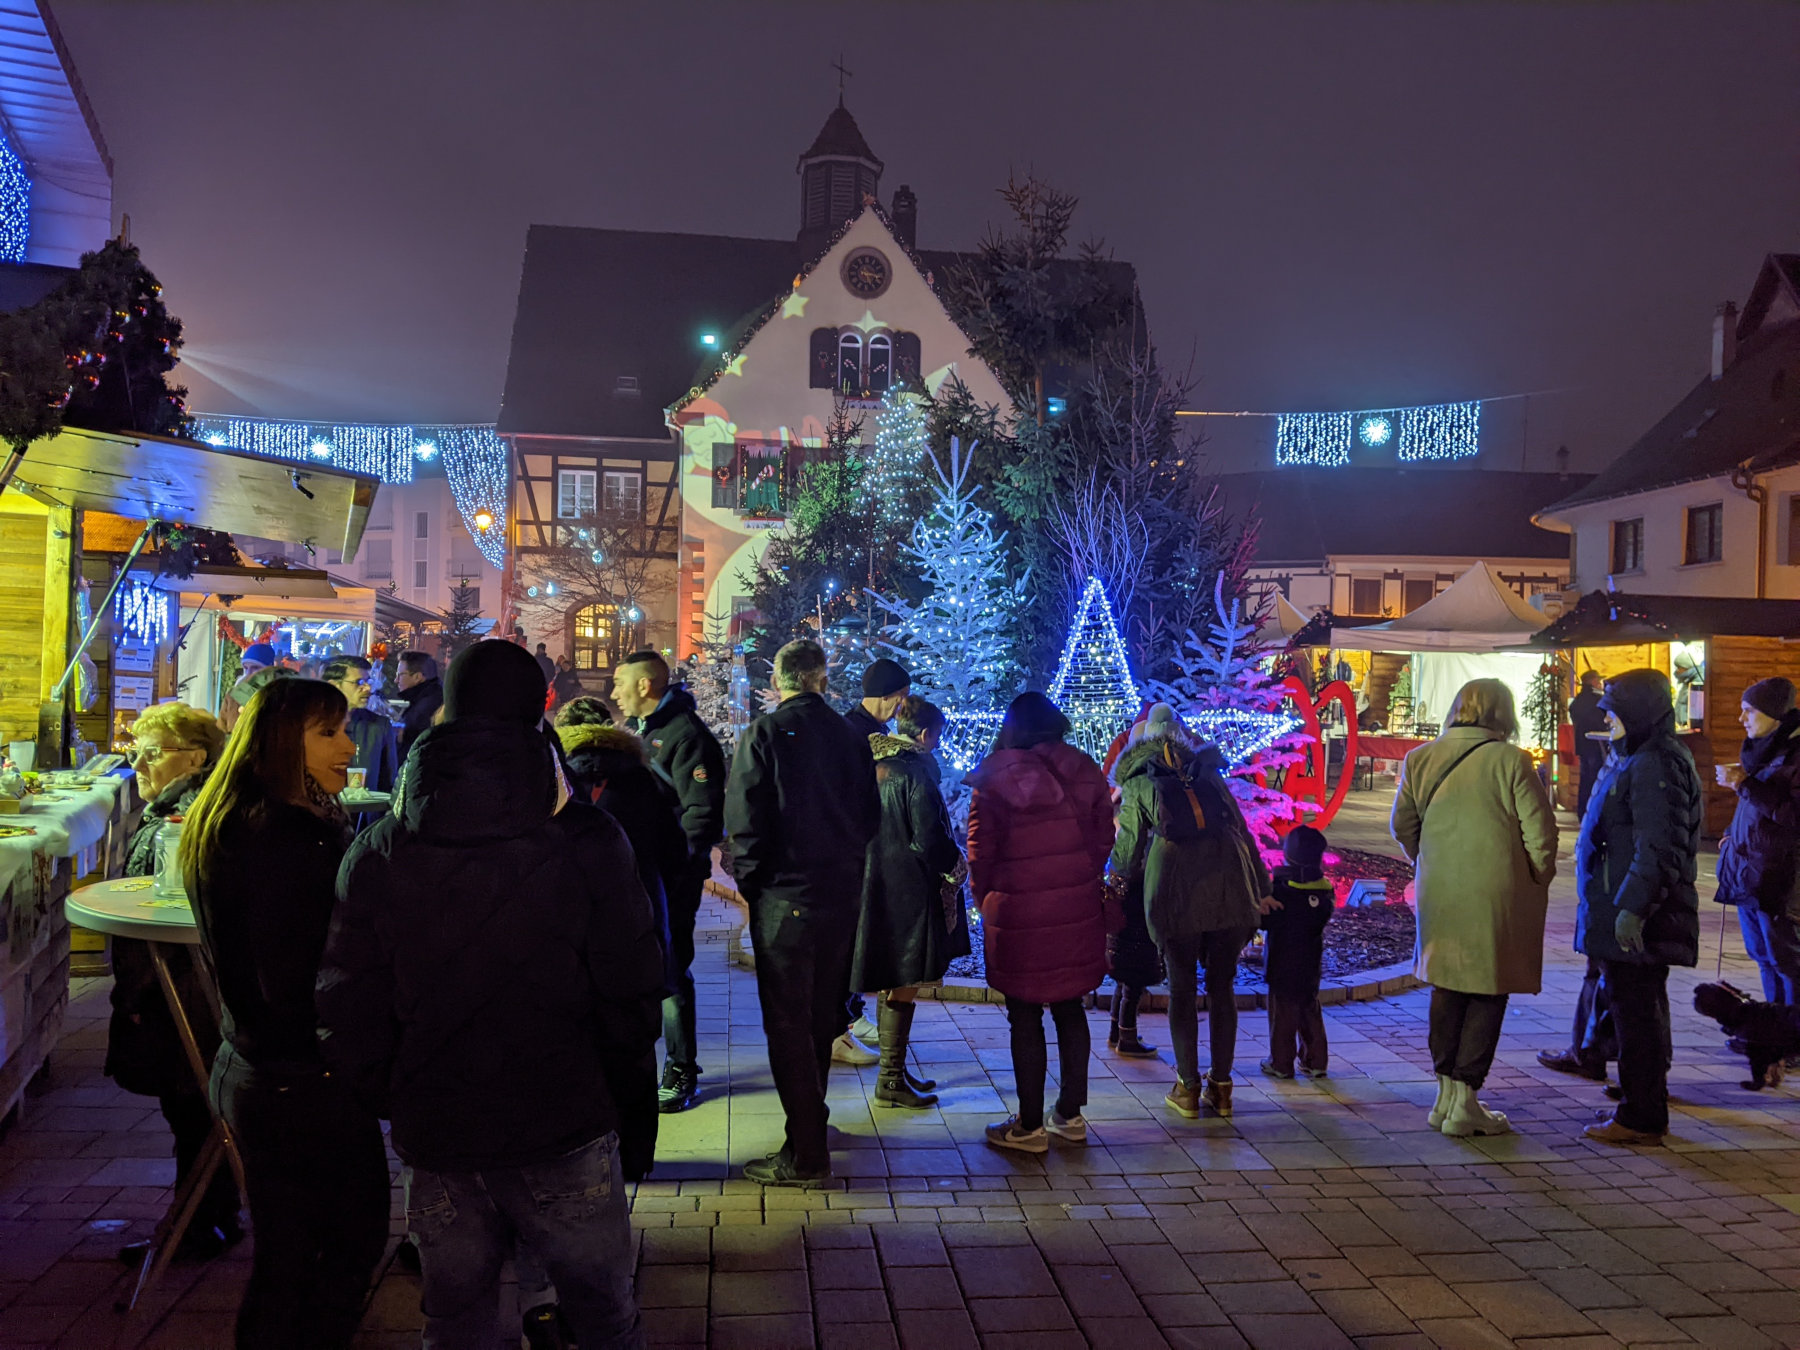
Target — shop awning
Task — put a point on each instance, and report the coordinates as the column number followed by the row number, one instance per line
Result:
column 250, row 583
column 184, row 482
column 1616, row 619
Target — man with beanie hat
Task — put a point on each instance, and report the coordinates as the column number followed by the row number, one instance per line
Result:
column 1639, row 912
column 1295, row 955
column 1759, row 858
column 885, row 685
column 493, row 986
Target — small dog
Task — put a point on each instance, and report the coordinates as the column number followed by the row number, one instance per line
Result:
column 1768, row 1032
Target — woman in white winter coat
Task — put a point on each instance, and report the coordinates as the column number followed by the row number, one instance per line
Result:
column 1477, row 821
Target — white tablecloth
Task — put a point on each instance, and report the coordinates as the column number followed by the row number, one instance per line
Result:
column 64, row 828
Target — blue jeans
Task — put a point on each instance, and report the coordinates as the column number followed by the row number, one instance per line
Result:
column 1773, row 942
column 570, row 1212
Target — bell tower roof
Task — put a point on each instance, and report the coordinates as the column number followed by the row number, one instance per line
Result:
column 837, row 174
column 840, row 138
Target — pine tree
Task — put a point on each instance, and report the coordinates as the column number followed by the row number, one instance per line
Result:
column 895, row 479
column 709, row 675
column 459, row 623
column 1226, row 694
column 957, row 640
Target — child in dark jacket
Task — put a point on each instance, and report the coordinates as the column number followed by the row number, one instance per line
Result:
column 1295, row 953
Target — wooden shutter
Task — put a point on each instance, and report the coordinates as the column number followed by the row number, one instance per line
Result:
column 906, row 361
column 725, row 476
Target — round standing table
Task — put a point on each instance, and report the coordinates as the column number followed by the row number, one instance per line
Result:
column 129, row 907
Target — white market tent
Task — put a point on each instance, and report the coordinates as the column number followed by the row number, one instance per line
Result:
column 1286, row 619
column 1459, row 635
column 1475, row 613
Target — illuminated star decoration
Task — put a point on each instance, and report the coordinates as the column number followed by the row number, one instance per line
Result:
column 140, row 614
column 794, row 306
column 868, row 323
column 1430, row 431
column 735, row 366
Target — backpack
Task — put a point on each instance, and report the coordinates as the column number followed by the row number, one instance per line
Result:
column 1182, row 799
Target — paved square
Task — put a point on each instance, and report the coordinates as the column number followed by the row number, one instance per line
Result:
column 1320, row 1214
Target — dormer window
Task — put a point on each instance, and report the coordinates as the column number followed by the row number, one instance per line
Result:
column 859, row 367
column 626, row 386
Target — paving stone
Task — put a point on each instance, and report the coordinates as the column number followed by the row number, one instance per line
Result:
column 1156, row 1270
column 1363, row 1312
column 1205, row 1338
column 738, row 1249
column 1220, row 1268
column 923, row 1287
column 1523, row 1309
column 665, row 1326
column 845, row 1268
column 672, row 1286
column 1423, row 1296
column 758, row 1292
column 1123, row 1333
column 761, row 1333
column 1002, row 1272
column 1722, row 1333
column 992, row 1315
column 1636, row 1326
column 1098, row 1291
column 1263, row 1296
column 911, row 1244
column 1291, row 1331
column 936, row 1329
column 858, row 1336
column 1465, row 1333
column 851, row 1305
column 1071, row 1243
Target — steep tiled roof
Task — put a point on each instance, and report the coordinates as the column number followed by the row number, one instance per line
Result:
column 840, row 136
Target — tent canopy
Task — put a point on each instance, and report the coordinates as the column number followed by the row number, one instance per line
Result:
column 1286, row 619
column 1476, row 613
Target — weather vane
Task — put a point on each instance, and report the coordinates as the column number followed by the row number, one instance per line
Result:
column 843, row 73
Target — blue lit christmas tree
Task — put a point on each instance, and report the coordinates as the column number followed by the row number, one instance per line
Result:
column 957, row 641
column 1093, row 684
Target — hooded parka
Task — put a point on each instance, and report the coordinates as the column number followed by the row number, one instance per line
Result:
column 1641, row 834
column 1473, row 816
column 1040, row 830
column 1206, row 885
column 904, row 938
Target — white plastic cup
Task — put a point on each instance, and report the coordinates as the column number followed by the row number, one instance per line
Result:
column 24, row 754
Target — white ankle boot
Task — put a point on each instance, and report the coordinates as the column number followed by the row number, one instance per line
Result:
column 1436, row 1118
column 1464, row 1115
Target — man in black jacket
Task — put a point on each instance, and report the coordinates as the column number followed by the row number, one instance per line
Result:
column 885, row 685
column 491, row 986
column 420, row 690
column 800, row 809
column 377, row 748
column 1588, row 722
column 684, row 750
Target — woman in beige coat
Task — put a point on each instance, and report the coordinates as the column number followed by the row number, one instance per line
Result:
column 1473, row 815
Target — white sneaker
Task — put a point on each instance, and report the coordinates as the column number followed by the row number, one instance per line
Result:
column 846, row 1049
column 866, row 1031
column 1465, row 1115
column 1436, row 1118
column 1007, row 1134
column 1074, row 1129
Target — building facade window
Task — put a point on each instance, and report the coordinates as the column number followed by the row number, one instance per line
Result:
column 421, row 525
column 1793, row 527
column 1418, row 592
column 378, row 559
column 1705, row 539
column 622, row 494
column 1365, row 595
column 850, row 359
column 575, row 493
column 1627, row 545
column 880, row 372
column 421, row 575
column 596, row 637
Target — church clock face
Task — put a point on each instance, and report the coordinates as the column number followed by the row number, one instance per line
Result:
column 867, row 273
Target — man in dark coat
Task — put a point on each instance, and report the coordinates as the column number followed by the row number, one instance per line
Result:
column 800, row 810
column 491, row 985
column 545, row 664
column 1639, row 911
column 377, row 747
column 419, row 689
column 1759, row 858
column 1587, row 722
column 686, row 753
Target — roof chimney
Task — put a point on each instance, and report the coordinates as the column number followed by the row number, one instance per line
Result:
column 906, row 216
column 1724, row 342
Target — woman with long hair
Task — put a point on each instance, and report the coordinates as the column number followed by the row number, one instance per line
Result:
column 260, row 851
column 1040, row 831
column 1475, row 819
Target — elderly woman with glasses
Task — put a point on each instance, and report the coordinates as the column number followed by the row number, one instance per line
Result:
column 174, row 748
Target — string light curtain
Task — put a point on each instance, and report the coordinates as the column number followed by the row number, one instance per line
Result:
column 475, row 460
column 15, row 204
column 140, row 614
column 1433, row 431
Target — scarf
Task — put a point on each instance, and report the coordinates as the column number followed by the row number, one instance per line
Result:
column 1758, row 754
column 324, row 805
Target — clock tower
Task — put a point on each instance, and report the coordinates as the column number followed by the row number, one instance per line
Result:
column 836, row 173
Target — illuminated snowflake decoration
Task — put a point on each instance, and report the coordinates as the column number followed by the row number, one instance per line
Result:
column 1375, row 431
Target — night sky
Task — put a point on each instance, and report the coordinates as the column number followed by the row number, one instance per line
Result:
column 1329, row 206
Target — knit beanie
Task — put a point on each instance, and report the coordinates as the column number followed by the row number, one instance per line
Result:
column 885, row 678
column 1161, row 721
column 1304, row 846
column 260, row 652
column 498, row 681
column 1773, row 697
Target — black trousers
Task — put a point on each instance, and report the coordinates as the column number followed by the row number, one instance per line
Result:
column 190, row 1121
column 1218, row 953
column 680, row 1035
column 318, row 1181
column 1464, row 1033
column 1297, row 1021
column 1031, row 1057
column 1640, row 1011
column 802, row 970
column 1592, row 1036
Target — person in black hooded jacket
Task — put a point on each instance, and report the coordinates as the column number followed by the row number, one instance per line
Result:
column 492, row 985
column 1759, row 858
column 1639, row 911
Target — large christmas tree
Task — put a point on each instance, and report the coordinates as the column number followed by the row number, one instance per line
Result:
column 708, row 674
column 895, row 479
column 957, row 640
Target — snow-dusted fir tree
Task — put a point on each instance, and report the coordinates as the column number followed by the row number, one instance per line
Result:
column 708, row 675
column 895, row 474
column 957, row 641
column 1225, row 693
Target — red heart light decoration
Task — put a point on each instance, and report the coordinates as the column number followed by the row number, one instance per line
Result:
column 1306, row 781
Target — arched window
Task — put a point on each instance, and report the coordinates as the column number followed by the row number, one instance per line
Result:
column 596, row 645
column 881, row 363
column 850, row 352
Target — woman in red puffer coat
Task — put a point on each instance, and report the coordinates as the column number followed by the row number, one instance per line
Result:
column 1040, row 831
